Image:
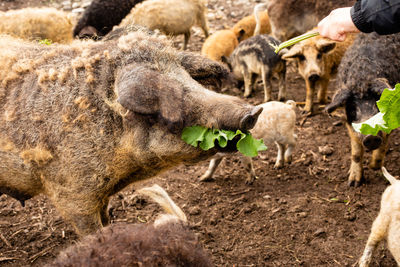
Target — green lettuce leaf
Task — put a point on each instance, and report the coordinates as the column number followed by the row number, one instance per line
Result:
column 205, row 138
column 388, row 118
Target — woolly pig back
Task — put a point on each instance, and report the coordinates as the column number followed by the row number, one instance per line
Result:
column 371, row 56
column 68, row 87
column 38, row 24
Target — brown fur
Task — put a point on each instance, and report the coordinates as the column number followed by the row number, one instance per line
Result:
column 289, row 18
column 166, row 242
column 219, row 44
column 244, row 28
column 317, row 60
column 116, row 119
column 38, row 24
column 172, row 17
column 122, row 244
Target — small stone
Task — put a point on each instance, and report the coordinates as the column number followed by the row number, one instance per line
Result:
column 320, row 232
column 326, row 150
column 195, row 211
column 78, row 10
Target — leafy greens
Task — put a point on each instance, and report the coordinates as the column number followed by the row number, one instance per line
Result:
column 205, row 138
column 388, row 117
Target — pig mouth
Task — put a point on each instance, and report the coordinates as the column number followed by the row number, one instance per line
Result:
column 230, row 147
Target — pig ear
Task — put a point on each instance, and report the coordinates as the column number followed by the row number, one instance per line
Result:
column 325, row 45
column 205, row 71
column 378, row 85
column 293, row 53
column 339, row 99
column 147, row 92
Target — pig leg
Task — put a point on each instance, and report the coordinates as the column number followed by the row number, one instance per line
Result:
column 288, row 152
column 204, row 25
column 279, row 157
column 378, row 155
column 105, row 218
column 266, row 78
column 248, row 165
column 249, row 81
column 282, row 86
column 309, row 96
column 75, row 209
column 357, row 152
column 214, row 162
column 322, row 91
column 378, row 233
column 186, row 41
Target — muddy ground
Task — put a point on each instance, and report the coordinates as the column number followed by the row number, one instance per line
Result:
column 301, row 215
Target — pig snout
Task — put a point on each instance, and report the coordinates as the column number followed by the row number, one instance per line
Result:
column 372, row 142
column 249, row 120
column 313, row 77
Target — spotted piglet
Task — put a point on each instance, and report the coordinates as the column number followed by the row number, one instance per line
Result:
column 255, row 58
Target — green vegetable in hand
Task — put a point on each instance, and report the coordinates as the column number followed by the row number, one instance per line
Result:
column 293, row 41
column 388, row 118
column 205, row 138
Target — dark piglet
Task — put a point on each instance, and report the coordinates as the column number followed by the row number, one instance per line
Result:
column 369, row 66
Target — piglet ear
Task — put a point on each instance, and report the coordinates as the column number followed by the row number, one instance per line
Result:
column 145, row 91
column 293, row 53
column 325, row 45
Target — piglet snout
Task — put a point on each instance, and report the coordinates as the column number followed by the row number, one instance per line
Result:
column 372, row 142
column 249, row 120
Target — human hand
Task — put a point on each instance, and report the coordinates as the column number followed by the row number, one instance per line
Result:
column 337, row 24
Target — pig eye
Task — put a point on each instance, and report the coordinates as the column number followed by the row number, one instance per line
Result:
column 319, row 56
column 301, row 57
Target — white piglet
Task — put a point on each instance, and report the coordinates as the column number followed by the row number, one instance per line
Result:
column 276, row 124
column 387, row 223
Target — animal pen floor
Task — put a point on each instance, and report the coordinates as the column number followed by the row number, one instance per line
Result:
column 302, row 215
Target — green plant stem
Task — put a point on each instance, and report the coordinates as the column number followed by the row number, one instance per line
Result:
column 294, row 40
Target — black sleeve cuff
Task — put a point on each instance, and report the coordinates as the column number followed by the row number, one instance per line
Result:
column 359, row 18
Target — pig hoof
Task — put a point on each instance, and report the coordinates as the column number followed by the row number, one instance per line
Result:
column 206, row 179
column 250, row 181
column 278, row 165
column 306, row 113
column 288, row 159
column 356, row 183
column 376, row 165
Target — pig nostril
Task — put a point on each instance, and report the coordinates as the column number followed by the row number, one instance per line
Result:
column 313, row 77
column 372, row 142
column 250, row 120
column 247, row 122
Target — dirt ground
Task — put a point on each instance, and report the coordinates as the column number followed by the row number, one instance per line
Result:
column 301, row 215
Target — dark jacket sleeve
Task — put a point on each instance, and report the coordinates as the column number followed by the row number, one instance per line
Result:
column 380, row 16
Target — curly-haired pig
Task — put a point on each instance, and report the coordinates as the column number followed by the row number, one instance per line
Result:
column 100, row 17
column 255, row 58
column 369, row 66
column 276, row 124
column 172, row 17
column 80, row 122
column 317, row 62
